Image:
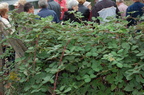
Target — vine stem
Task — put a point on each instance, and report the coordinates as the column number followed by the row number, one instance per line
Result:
column 57, row 74
column 34, row 62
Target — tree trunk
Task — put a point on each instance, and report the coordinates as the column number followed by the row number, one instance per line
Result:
column 17, row 44
column 1, row 65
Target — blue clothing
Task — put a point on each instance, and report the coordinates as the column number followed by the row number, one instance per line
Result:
column 53, row 5
column 45, row 12
column 136, row 10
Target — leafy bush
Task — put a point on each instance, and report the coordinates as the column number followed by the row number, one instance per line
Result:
column 77, row 59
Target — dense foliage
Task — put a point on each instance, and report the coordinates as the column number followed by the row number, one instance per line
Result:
column 76, row 59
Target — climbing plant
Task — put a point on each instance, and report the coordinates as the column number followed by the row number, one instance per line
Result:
column 76, row 59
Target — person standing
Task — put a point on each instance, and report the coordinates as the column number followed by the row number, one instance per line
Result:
column 16, row 5
column 21, row 6
column 29, row 8
column 63, row 5
column 134, row 12
column 53, row 5
column 4, row 9
column 72, row 10
column 45, row 12
column 87, row 4
column 84, row 10
column 4, row 13
column 122, row 7
column 105, row 8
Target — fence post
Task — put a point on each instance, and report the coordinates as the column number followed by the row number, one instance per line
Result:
column 17, row 44
column 1, row 65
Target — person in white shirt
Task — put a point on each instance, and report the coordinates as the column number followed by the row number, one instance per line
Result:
column 4, row 13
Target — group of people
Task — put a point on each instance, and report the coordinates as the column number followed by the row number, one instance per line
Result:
column 62, row 10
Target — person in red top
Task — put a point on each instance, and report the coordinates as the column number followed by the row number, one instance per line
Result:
column 63, row 5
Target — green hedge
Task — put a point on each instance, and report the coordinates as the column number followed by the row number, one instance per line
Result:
column 77, row 59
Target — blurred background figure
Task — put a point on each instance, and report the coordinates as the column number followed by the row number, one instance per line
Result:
column 21, row 6
column 16, row 5
column 87, row 4
column 104, row 9
column 63, row 5
column 84, row 10
column 122, row 7
column 45, row 12
column 142, row 1
column 5, row 5
column 70, row 15
column 53, row 5
column 29, row 8
column 96, row 1
column 134, row 11
column 4, row 8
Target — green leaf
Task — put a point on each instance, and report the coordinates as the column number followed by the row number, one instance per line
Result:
column 88, row 54
column 37, row 93
column 26, row 88
column 94, row 54
column 62, row 88
column 128, row 88
column 44, row 89
column 121, row 50
column 86, row 76
column 67, row 90
column 96, row 66
column 87, row 80
column 47, row 70
column 126, row 45
column 46, row 79
column 93, row 18
column 112, row 45
column 113, row 87
column 30, row 49
column 134, row 47
column 92, row 76
column 36, row 90
column 120, row 65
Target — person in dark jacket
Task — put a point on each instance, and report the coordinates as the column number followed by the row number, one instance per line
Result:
column 134, row 11
column 53, row 5
column 84, row 10
column 72, row 10
column 104, row 4
column 45, row 12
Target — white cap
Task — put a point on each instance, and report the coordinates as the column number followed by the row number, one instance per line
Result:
column 16, row 4
column 86, row 3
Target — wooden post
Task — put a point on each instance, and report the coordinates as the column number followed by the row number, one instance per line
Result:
column 17, row 44
column 1, row 65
